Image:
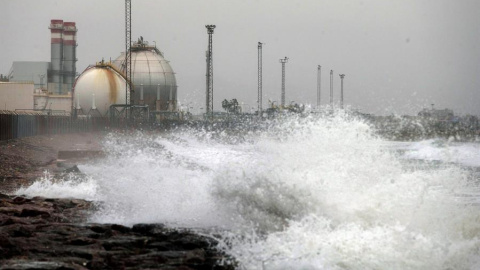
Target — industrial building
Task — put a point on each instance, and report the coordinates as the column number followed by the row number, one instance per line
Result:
column 58, row 75
column 29, row 71
column 16, row 95
column 44, row 86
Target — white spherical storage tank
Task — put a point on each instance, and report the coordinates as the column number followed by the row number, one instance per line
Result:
column 153, row 77
column 97, row 88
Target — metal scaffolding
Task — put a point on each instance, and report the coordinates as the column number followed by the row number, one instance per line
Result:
column 259, row 99
column 209, row 90
column 283, row 61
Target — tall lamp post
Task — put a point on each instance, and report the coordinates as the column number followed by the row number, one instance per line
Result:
column 331, row 88
column 283, row 61
column 319, row 75
column 341, row 90
column 209, row 96
column 259, row 99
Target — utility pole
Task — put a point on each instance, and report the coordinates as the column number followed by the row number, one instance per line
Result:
column 331, row 88
column 128, row 53
column 319, row 75
column 259, row 98
column 283, row 61
column 341, row 90
column 209, row 92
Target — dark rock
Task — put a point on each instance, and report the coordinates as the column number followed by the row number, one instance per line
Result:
column 20, row 200
column 190, row 241
column 5, row 241
column 73, row 169
column 51, row 233
column 196, row 256
column 161, row 246
column 34, row 265
column 81, row 241
column 120, row 228
column 33, row 212
column 147, row 229
column 18, row 230
column 100, row 229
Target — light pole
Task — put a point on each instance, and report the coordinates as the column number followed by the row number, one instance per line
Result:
column 331, row 88
column 341, row 90
column 283, row 61
column 209, row 96
column 319, row 75
column 259, row 98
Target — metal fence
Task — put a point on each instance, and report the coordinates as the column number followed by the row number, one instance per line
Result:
column 16, row 125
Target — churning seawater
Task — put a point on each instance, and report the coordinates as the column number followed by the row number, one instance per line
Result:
column 302, row 193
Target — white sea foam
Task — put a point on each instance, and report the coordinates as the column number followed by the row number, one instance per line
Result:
column 467, row 153
column 306, row 193
column 71, row 186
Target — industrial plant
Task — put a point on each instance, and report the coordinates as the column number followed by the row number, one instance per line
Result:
column 35, row 95
column 139, row 87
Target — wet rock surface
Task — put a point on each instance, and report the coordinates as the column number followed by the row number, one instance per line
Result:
column 42, row 233
column 45, row 233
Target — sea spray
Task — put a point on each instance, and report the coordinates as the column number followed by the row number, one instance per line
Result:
column 67, row 186
column 309, row 192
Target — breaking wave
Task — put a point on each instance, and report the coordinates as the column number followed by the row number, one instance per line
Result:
column 299, row 193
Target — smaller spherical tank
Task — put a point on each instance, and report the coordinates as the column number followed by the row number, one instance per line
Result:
column 97, row 88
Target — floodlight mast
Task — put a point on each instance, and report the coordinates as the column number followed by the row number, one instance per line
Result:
column 283, row 61
column 319, row 77
column 209, row 90
column 259, row 99
column 341, row 90
column 331, row 88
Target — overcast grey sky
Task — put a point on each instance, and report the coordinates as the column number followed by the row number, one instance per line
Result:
column 397, row 56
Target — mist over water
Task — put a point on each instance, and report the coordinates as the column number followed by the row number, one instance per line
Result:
column 303, row 193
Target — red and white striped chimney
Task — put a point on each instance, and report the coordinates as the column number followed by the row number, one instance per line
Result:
column 56, row 54
column 69, row 55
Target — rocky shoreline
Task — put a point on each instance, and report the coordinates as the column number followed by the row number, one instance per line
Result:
column 47, row 233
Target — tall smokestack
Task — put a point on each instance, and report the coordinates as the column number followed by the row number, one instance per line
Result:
column 56, row 30
column 69, row 55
